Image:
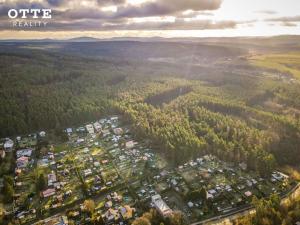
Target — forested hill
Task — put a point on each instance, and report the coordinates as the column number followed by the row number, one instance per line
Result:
column 189, row 99
column 128, row 49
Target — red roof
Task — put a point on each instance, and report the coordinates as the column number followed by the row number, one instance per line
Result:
column 48, row 192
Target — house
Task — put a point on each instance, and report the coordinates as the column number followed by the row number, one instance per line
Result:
column 24, row 152
column 80, row 129
column 49, row 192
column 58, row 220
column 69, row 131
column 96, row 164
column 42, row 134
column 129, row 144
column 87, row 172
column 90, row 128
column 116, row 197
column 190, row 204
column 97, row 126
column 80, row 140
column 108, row 204
column 126, row 212
column 114, row 119
column 51, row 178
column 212, row 192
column 105, row 133
column 248, row 193
column 8, row 145
column 22, row 162
column 279, row 176
column 111, row 216
column 160, row 205
column 118, row 131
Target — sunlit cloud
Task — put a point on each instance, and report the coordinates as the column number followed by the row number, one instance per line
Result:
column 150, row 17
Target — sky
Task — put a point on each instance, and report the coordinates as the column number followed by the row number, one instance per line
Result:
column 149, row 18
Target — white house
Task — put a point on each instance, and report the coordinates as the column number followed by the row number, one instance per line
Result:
column 160, row 205
column 90, row 129
column 97, row 126
column 8, row 145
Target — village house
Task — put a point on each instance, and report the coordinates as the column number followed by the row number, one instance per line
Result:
column 248, row 193
column 105, row 132
column 8, row 145
column 69, row 131
column 111, row 216
column 22, row 162
column 81, row 129
column 160, row 205
column 126, row 212
column 24, row 152
column 51, row 178
column 80, row 141
column 129, row 144
column 42, row 134
column 90, row 128
column 97, row 126
column 57, row 220
column 118, row 131
column 49, row 192
column 87, row 172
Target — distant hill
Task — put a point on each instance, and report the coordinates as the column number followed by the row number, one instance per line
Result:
column 83, row 39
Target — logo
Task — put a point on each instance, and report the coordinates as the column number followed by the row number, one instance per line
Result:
column 28, row 18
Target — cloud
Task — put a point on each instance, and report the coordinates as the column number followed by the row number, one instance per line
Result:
column 89, row 16
column 267, row 12
column 83, row 13
column 179, row 24
column 7, row 5
column 166, row 7
column 285, row 19
column 288, row 24
column 110, row 2
column 56, row 2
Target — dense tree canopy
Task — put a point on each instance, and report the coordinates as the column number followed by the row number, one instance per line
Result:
column 184, row 117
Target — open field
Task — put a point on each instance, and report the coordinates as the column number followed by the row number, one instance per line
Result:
column 285, row 64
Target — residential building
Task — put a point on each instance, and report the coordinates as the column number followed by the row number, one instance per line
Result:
column 160, row 205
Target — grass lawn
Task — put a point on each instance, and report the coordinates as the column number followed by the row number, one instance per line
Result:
column 61, row 148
